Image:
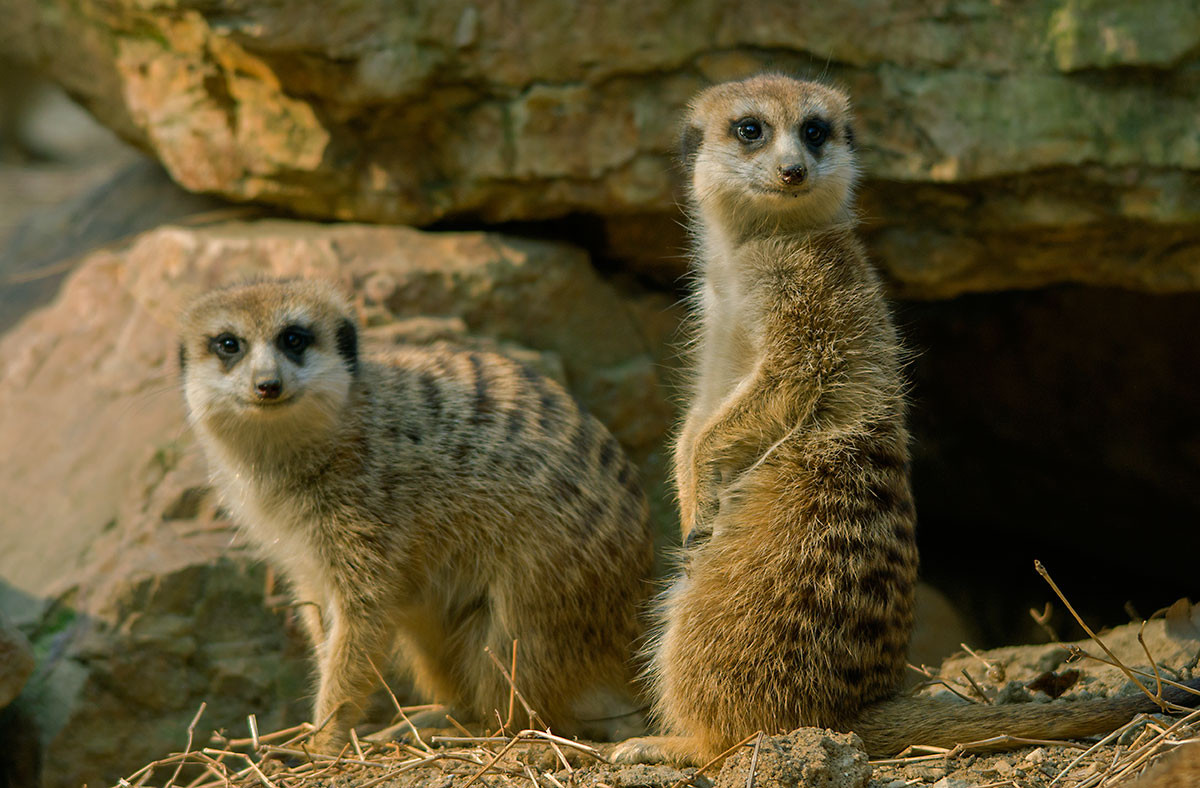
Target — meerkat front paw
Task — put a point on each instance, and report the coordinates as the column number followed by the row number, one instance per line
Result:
column 327, row 743
column 675, row 750
column 638, row 750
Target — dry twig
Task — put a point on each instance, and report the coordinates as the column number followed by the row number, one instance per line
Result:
column 933, row 678
column 715, row 759
column 191, row 731
column 1041, row 570
column 978, row 689
column 1043, row 620
column 534, row 719
column 754, row 761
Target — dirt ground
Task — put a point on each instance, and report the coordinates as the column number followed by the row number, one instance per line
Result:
column 780, row 761
column 1134, row 658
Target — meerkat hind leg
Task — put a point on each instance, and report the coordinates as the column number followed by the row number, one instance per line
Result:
column 435, row 657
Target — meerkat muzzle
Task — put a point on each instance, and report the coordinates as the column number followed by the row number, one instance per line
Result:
column 794, row 175
column 268, row 389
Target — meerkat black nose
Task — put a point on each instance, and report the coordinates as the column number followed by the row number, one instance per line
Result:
column 269, row 389
column 794, row 175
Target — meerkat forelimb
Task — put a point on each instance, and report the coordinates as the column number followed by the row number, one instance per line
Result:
column 424, row 504
column 794, row 603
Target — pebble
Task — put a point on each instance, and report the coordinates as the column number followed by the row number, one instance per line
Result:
column 952, row 782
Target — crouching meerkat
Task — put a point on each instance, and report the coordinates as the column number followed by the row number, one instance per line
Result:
column 423, row 504
column 794, row 603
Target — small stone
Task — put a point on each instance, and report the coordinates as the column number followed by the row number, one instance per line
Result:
column 1013, row 692
column 1083, row 772
column 925, row 773
column 1036, row 756
column 1003, row 767
column 808, row 756
column 952, row 782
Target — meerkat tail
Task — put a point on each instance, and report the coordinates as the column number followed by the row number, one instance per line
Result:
column 888, row 727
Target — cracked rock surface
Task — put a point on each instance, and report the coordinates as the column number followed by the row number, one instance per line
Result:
column 1006, row 145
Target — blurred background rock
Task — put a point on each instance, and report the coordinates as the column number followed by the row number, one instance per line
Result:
column 1032, row 193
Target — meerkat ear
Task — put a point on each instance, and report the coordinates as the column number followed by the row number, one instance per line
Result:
column 182, row 357
column 689, row 146
column 347, row 344
column 850, row 136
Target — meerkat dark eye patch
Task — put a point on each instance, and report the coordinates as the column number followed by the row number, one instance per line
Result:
column 689, row 146
column 293, row 341
column 347, row 344
column 814, row 132
column 228, row 348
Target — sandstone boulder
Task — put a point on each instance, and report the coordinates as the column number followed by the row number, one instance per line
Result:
column 1010, row 145
column 1078, row 668
column 114, row 553
column 131, row 195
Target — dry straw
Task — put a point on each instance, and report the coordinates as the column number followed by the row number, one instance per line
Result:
column 282, row 759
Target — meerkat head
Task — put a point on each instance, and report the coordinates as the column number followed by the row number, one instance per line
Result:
column 770, row 151
column 261, row 356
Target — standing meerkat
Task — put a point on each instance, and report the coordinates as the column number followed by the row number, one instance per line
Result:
column 794, row 604
column 425, row 504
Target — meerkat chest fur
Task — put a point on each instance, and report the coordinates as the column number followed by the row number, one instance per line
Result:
column 275, row 522
column 766, row 172
column 729, row 337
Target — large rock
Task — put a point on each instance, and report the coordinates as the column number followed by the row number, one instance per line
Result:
column 1080, row 669
column 132, row 195
column 113, row 552
column 1006, row 144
